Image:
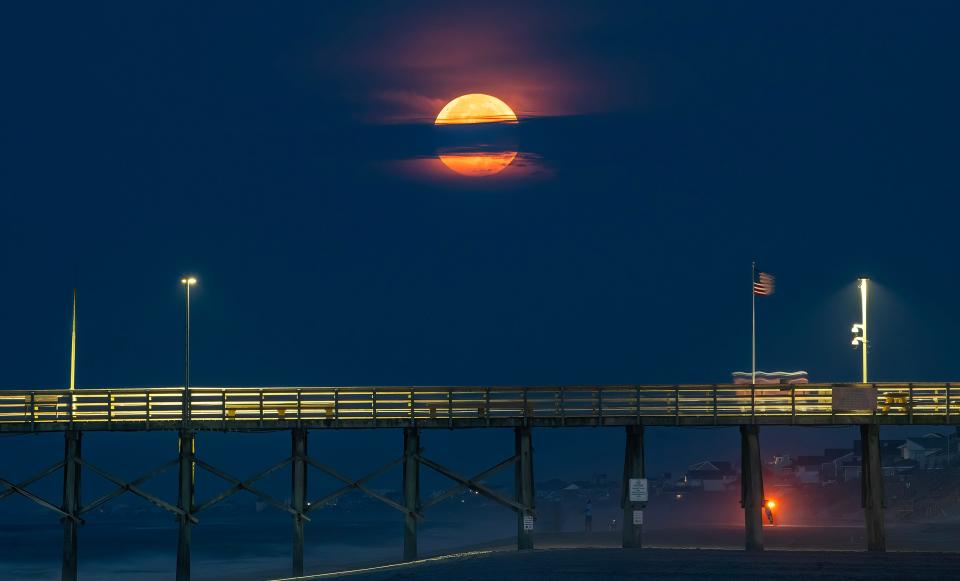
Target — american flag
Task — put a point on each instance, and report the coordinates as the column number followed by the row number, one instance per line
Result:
column 763, row 284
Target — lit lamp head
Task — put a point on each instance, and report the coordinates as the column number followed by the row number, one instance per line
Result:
column 857, row 337
column 188, row 280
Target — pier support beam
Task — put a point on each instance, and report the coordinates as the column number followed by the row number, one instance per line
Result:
column 185, row 501
column 411, row 491
column 751, row 487
column 298, row 495
column 524, row 487
column 871, row 482
column 633, row 468
column 71, row 504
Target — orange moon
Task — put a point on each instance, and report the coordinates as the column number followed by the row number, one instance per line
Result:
column 475, row 108
column 478, row 164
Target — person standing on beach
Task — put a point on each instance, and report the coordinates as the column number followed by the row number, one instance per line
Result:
column 588, row 517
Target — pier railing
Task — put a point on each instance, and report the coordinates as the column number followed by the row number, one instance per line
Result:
column 386, row 406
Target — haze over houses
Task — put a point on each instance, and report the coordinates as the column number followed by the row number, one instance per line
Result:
column 710, row 476
column 932, row 451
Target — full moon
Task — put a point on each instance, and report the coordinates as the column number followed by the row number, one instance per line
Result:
column 475, row 108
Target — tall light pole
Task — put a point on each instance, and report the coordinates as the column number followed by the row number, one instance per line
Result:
column 859, row 330
column 187, row 282
column 187, row 448
column 73, row 344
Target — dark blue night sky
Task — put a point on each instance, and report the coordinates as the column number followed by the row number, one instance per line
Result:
column 264, row 148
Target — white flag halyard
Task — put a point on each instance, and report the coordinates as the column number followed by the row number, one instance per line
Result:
column 762, row 284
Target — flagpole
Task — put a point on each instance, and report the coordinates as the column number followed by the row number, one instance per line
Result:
column 73, row 343
column 753, row 296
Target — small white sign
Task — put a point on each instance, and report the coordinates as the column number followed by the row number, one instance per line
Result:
column 638, row 517
column 527, row 522
column 638, row 490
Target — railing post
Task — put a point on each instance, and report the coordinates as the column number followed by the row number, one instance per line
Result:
column 185, row 408
column 486, row 402
column 910, row 402
column 524, row 410
column 871, row 479
column 676, row 405
column 600, row 406
column 411, row 491
column 948, row 403
column 260, row 421
column 751, row 486
column 185, row 499
column 298, row 495
column 793, row 404
column 299, row 407
column 636, row 399
column 715, row 407
column 563, row 405
column 633, row 468
column 524, row 487
column 450, row 407
column 71, row 504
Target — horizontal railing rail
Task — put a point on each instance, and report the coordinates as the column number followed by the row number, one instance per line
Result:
column 209, row 405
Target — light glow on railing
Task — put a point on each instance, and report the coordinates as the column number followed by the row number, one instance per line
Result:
column 348, row 405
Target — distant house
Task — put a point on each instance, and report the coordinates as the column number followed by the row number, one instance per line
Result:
column 830, row 469
column 711, row 476
column 806, row 469
column 889, row 450
column 850, row 466
column 928, row 451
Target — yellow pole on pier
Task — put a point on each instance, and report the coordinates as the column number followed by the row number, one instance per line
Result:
column 73, row 344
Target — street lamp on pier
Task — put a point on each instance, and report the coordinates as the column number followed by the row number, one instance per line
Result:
column 187, row 282
column 859, row 330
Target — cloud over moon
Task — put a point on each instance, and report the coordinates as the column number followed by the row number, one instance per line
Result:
column 407, row 70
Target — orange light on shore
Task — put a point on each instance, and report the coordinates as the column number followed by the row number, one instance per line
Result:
column 771, row 504
column 475, row 108
column 478, row 164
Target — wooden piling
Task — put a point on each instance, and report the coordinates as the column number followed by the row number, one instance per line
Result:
column 411, row 491
column 871, row 481
column 633, row 469
column 71, row 504
column 298, row 495
column 185, row 500
column 524, row 487
column 751, row 487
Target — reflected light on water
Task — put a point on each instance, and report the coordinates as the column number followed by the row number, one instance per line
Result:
column 478, row 164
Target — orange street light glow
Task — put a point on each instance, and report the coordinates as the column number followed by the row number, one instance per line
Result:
column 475, row 108
column 771, row 504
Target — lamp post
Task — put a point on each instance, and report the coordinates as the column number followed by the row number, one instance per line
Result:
column 187, row 448
column 859, row 330
column 187, row 282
